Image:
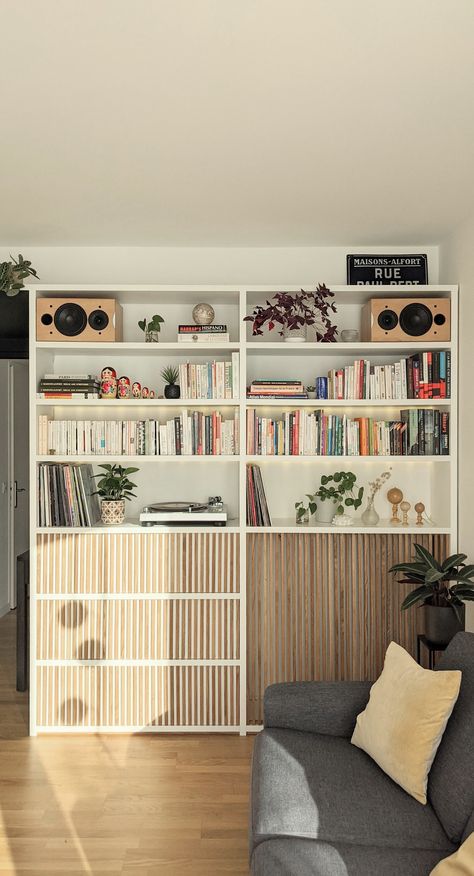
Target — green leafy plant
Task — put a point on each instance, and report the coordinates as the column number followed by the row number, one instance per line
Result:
column 13, row 273
column 114, row 484
column 170, row 374
column 310, row 389
column 434, row 580
column 341, row 491
column 154, row 325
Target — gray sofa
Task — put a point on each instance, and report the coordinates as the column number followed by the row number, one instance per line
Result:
column 321, row 807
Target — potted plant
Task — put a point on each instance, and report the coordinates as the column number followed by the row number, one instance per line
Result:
column 170, row 376
column 331, row 500
column 13, row 273
column 114, row 487
column 311, row 390
column 441, row 588
column 152, row 328
column 295, row 312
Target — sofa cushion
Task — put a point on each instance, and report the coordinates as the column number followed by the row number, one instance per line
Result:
column 450, row 783
column 461, row 863
column 322, row 787
column 300, row 857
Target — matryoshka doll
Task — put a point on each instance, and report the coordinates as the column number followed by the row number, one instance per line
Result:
column 152, row 393
column 123, row 388
column 136, row 389
column 145, row 392
column 108, row 382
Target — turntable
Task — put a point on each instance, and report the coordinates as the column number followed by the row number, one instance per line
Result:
column 210, row 513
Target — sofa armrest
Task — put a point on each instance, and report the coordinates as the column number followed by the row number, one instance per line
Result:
column 328, row 707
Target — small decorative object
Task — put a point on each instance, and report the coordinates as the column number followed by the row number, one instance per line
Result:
column 419, row 508
column 404, row 508
column 13, row 273
column 294, row 313
column 370, row 516
column 395, row 496
column 108, row 382
column 392, row 270
column 123, row 387
column 152, row 328
column 330, row 501
column 442, row 588
column 145, row 392
column 152, row 393
column 203, row 314
column 311, row 390
column 349, row 336
column 136, row 389
column 321, row 387
column 302, row 518
column 170, row 376
column 343, row 520
column 114, row 488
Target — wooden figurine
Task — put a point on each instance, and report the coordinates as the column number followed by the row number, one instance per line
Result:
column 395, row 496
column 136, row 389
column 152, row 393
column 419, row 508
column 123, row 387
column 145, row 392
column 108, row 382
column 404, row 508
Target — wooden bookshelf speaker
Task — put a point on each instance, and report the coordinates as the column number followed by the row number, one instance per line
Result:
column 78, row 319
column 398, row 319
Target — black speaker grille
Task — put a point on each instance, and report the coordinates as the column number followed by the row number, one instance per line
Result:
column 70, row 319
column 98, row 320
column 416, row 319
column 387, row 320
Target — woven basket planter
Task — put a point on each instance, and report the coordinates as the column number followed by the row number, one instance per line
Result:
column 112, row 512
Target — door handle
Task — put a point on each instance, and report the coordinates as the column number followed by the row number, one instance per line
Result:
column 16, row 490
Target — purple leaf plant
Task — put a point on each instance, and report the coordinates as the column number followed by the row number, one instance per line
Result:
column 293, row 311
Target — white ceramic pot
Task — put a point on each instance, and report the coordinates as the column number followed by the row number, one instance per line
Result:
column 112, row 512
column 325, row 511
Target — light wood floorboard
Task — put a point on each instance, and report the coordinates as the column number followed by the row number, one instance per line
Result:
column 168, row 805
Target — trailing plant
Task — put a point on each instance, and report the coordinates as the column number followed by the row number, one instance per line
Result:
column 115, row 484
column 293, row 311
column 447, row 584
column 13, row 273
column 154, row 325
column 341, row 491
column 170, row 375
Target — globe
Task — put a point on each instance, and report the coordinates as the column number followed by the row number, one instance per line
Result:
column 203, row 314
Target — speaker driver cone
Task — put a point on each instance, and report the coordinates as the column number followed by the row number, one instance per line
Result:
column 98, row 320
column 387, row 320
column 416, row 319
column 70, row 319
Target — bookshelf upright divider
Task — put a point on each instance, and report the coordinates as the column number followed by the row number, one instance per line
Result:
column 153, row 629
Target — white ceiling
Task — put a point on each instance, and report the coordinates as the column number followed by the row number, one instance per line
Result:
column 235, row 122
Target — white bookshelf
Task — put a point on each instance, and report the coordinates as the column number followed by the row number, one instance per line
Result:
column 431, row 479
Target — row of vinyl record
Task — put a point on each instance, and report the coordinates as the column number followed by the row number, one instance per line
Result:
column 190, row 433
column 303, row 433
column 210, row 380
column 66, row 495
column 423, row 375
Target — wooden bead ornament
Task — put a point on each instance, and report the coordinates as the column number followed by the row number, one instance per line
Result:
column 419, row 508
column 404, row 508
column 395, row 496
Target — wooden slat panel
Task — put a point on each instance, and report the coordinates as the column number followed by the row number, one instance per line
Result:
column 194, row 562
column 324, row 606
column 138, row 629
column 130, row 696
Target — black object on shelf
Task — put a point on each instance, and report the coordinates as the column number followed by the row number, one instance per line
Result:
column 22, row 619
column 430, row 647
column 14, row 326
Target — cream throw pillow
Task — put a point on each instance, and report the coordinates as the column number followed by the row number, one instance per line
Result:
column 459, row 864
column 405, row 718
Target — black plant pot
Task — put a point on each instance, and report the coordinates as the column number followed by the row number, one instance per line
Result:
column 442, row 624
column 172, row 390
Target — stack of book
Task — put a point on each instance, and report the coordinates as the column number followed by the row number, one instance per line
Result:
column 65, row 495
column 418, row 432
column 423, row 375
column 203, row 334
column 190, row 433
column 257, row 508
column 211, row 380
column 283, row 389
column 76, row 386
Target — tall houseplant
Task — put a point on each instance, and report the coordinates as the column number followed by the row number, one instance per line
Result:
column 335, row 493
column 441, row 588
column 293, row 313
column 114, row 488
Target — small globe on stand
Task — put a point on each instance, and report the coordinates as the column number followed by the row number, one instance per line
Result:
column 395, row 496
column 203, row 314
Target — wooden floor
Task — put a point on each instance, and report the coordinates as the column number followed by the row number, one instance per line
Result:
column 168, row 805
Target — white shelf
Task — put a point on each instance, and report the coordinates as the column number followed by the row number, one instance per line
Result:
column 336, row 460
column 288, row 525
column 109, row 457
column 137, row 403
column 321, row 403
column 339, row 349
column 130, row 527
column 134, row 348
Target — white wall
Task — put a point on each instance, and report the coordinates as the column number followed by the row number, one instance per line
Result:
column 291, row 265
column 456, row 259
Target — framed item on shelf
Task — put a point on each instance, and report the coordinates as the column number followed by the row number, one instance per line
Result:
column 387, row 270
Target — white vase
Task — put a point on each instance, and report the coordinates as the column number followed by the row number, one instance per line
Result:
column 370, row 516
column 325, row 511
column 294, row 336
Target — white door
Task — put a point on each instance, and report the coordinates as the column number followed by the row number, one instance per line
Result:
column 19, row 468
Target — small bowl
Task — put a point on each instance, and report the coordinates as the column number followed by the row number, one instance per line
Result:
column 349, row 335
